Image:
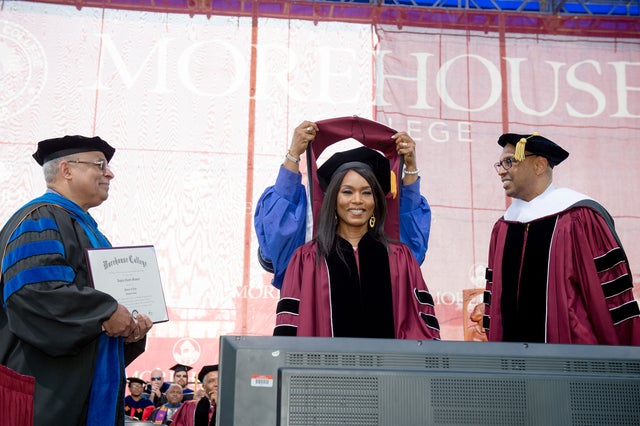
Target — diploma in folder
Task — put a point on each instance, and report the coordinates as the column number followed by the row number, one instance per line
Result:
column 131, row 276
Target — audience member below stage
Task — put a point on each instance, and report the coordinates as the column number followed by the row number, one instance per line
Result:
column 181, row 377
column 163, row 415
column 134, row 403
column 201, row 412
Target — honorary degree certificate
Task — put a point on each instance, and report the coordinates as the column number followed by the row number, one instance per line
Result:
column 131, row 275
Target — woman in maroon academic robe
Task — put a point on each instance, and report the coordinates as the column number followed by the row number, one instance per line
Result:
column 351, row 281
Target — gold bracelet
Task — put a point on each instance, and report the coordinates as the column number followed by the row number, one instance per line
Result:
column 411, row 172
column 292, row 158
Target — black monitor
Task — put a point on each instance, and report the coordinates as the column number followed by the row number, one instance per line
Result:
column 343, row 381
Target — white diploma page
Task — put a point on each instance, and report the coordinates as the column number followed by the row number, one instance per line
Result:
column 131, row 275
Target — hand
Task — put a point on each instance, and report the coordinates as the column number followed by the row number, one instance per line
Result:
column 143, row 325
column 302, row 136
column 406, row 147
column 155, row 390
column 120, row 323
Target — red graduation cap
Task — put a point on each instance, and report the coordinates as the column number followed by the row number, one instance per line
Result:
column 370, row 134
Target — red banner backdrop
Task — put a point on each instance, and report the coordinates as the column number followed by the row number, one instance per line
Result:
column 201, row 110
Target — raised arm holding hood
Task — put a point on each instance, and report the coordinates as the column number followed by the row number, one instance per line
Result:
column 281, row 216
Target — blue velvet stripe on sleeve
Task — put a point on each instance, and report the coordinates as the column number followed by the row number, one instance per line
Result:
column 36, row 275
column 31, row 249
column 44, row 224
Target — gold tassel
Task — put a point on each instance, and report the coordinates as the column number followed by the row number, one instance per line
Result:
column 394, row 185
column 519, row 155
column 372, row 221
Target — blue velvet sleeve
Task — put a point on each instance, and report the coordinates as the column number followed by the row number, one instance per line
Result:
column 280, row 223
column 415, row 220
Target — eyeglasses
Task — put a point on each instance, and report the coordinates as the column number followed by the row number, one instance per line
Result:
column 102, row 164
column 506, row 163
column 156, row 378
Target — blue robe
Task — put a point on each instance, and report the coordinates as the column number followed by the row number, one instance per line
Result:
column 135, row 408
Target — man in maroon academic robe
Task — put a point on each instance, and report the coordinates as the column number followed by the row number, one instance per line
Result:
column 201, row 410
column 557, row 272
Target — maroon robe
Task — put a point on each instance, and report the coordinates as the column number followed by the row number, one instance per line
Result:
column 186, row 414
column 16, row 397
column 305, row 306
column 561, row 278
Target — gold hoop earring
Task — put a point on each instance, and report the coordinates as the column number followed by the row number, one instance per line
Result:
column 372, row 221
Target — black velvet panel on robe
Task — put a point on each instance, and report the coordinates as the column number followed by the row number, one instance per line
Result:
column 525, row 268
column 361, row 306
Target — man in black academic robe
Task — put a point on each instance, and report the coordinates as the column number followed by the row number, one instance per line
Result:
column 73, row 339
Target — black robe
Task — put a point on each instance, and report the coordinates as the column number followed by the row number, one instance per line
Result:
column 49, row 327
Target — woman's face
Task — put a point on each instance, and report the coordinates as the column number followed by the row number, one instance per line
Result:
column 355, row 203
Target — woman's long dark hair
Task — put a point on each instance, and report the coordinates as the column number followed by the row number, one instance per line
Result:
column 326, row 236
